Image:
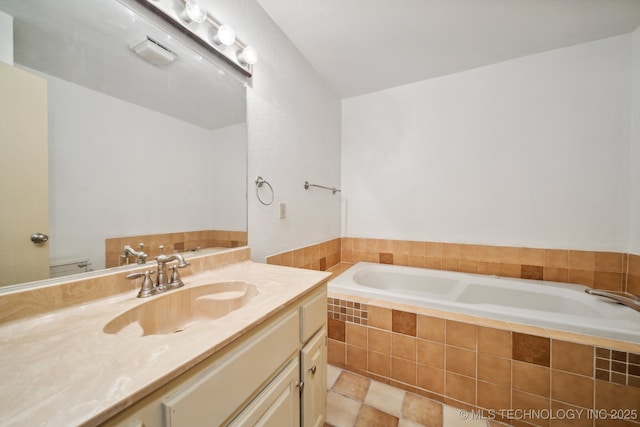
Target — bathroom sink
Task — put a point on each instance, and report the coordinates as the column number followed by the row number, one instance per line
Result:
column 176, row 310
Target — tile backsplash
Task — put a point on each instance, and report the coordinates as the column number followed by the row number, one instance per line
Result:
column 598, row 269
column 172, row 242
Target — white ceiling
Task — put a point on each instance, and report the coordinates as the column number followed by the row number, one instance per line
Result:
column 361, row 46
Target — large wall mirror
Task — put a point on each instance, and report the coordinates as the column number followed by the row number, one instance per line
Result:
column 134, row 148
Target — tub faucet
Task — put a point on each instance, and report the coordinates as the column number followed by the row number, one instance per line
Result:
column 625, row 298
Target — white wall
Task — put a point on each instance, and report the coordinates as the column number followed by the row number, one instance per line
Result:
column 6, row 38
column 634, row 217
column 117, row 169
column 293, row 124
column 529, row 152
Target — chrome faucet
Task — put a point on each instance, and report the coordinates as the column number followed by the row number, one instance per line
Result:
column 141, row 257
column 625, row 298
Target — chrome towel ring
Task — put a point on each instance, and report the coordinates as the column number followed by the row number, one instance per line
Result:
column 260, row 181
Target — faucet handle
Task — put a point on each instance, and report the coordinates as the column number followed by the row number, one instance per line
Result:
column 175, row 281
column 147, row 289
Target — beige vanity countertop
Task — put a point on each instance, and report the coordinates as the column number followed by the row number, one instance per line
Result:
column 61, row 369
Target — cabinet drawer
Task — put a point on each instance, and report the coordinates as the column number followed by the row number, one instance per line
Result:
column 230, row 382
column 313, row 314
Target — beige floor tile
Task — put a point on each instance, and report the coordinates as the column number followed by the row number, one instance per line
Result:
column 352, row 385
column 333, row 372
column 408, row 423
column 422, row 410
column 372, row 417
column 386, row 398
column 341, row 411
column 451, row 417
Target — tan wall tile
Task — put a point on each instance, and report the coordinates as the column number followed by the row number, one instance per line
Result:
column 528, row 401
column 633, row 265
column 489, row 268
column 379, row 340
column 556, row 258
column 608, row 261
column 469, row 266
column 556, row 274
column 488, row 253
column 633, row 285
column 611, row 396
column 430, row 353
column 573, row 389
column 580, row 415
column 417, row 249
column 451, row 264
column 379, row 363
column 581, row 277
column 461, row 334
column 336, row 353
column 571, row 357
column 401, row 259
column 403, row 370
column 431, row 328
column 431, row 379
column 582, row 260
column 379, row 317
column 416, row 261
column 356, row 358
column 531, row 256
column 460, row 361
column 403, row 346
column 531, row 378
column 356, row 334
column 510, row 270
column 451, row 250
column 509, row 255
column 468, row 253
column 433, row 263
column 433, row 249
column 608, row 281
column 460, row 388
column 400, row 247
column 494, row 369
column 359, row 244
column 491, row 396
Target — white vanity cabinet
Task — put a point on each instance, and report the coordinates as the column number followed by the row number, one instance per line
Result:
column 275, row 375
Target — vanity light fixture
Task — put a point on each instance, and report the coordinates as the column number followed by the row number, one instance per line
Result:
column 248, row 56
column 194, row 11
column 191, row 18
column 224, row 36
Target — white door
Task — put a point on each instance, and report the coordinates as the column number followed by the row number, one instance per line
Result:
column 24, row 198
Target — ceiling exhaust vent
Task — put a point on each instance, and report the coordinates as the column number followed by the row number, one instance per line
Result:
column 152, row 51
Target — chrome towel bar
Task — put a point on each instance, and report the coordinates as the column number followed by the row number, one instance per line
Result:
column 334, row 190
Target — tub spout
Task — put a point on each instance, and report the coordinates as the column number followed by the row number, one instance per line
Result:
column 625, row 298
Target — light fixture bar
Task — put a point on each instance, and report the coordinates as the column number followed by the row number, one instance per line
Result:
column 203, row 31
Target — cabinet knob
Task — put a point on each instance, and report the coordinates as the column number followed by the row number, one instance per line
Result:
column 313, row 369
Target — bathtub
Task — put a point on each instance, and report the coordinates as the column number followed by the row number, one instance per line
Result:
column 551, row 305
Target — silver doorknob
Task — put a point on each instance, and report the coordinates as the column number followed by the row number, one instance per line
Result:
column 39, row 238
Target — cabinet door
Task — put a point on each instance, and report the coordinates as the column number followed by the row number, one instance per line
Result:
column 314, row 375
column 278, row 405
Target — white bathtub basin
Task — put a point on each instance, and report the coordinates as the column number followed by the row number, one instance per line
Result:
column 545, row 304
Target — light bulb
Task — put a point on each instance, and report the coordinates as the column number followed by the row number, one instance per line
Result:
column 194, row 12
column 248, row 56
column 225, row 36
